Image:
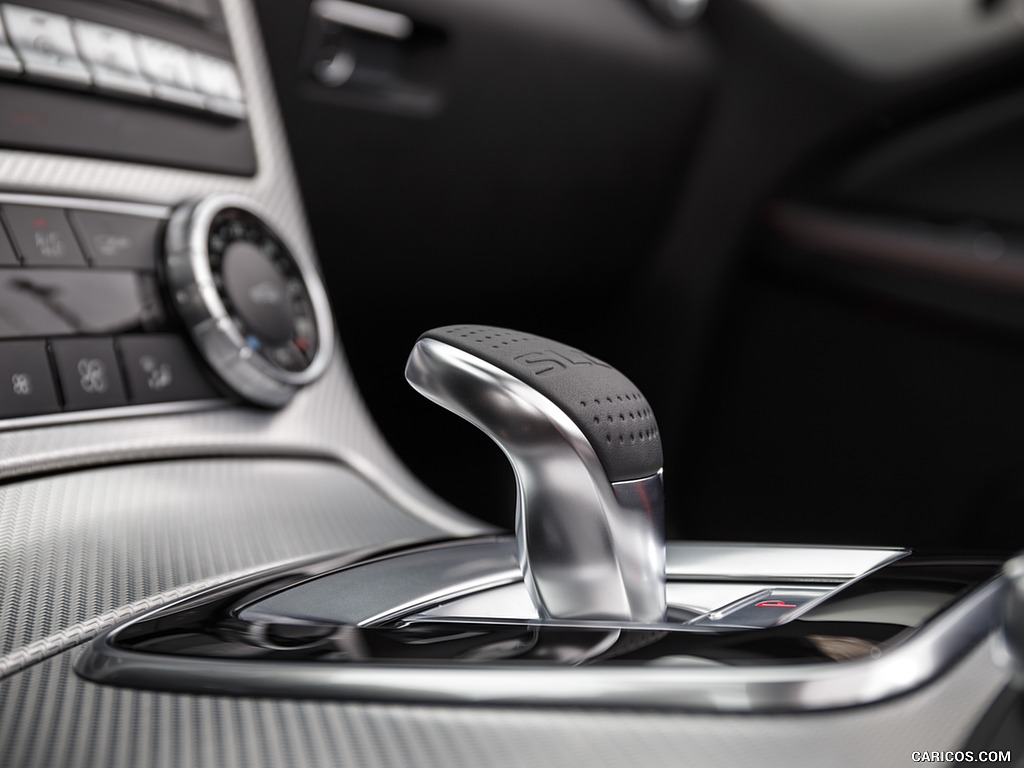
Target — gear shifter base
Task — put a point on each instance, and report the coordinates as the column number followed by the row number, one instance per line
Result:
column 885, row 623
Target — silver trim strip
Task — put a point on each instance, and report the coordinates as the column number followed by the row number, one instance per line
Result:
column 919, row 658
column 720, row 561
column 376, row 21
column 84, row 204
column 119, row 412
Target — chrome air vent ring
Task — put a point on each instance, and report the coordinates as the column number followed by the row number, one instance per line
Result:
column 252, row 301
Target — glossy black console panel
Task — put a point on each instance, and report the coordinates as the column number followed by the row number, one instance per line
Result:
column 864, row 644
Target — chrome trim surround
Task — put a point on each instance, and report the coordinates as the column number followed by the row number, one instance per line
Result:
column 119, row 412
column 191, row 285
column 588, row 549
column 723, row 561
column 1013, row 619
column 922, row 655
column 86, row 204
column 512, row 603
column 478, row 580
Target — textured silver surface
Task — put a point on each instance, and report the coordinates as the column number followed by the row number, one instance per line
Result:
column 49, row 717
column 76, row 549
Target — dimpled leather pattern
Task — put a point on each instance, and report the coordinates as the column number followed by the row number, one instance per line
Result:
column 608, row 408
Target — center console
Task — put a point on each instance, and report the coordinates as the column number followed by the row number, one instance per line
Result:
column 209, row 554
column 586, row 606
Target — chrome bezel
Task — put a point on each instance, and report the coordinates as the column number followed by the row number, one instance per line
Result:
column 193, row 292
column 65, row 202
column 889, row 670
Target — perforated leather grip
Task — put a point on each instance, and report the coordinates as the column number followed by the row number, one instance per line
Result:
column 607, row 407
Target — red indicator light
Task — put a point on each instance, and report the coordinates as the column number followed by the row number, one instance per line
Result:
column 774, row 604
column 39, row 222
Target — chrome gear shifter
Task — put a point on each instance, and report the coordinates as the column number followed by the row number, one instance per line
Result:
column 587, row 457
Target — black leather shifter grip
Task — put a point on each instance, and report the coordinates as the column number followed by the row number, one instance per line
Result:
column 606, row 406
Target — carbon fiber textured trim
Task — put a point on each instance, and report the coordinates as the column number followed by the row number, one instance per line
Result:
column 69, row 637
column 49, row 717
column 82, row 550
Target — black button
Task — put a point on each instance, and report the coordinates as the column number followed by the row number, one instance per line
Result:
column 88, row 372
column 26, row 381
column 7, row 254
column 258, row 292
column 161, row 369
column 116, row 240
column 43, row 236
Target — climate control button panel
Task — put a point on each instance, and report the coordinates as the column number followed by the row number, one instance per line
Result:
column 105, row 305
column 49, row 376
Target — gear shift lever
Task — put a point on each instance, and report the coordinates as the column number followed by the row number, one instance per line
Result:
column 587, row 457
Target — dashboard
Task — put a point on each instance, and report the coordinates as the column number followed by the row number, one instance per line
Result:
column 224, row 224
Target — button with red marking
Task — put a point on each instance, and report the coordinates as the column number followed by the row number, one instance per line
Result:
column 775, row 604
column 43, row 236
column 767, row 608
